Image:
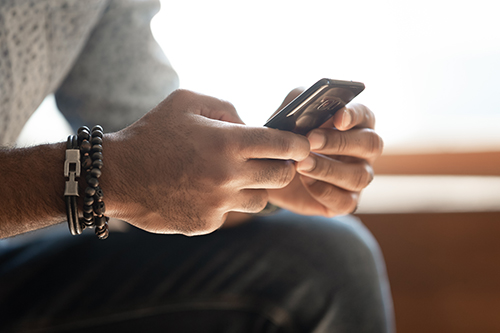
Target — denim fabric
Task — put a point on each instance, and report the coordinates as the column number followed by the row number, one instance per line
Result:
column 281, row 273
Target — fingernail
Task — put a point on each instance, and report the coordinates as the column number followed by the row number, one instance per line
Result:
column 346, row 118
column 307, row 165
column 316, row 140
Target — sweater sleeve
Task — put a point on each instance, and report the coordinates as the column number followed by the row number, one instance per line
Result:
column 121, row 73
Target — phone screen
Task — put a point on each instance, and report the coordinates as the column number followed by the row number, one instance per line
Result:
column 315, row 106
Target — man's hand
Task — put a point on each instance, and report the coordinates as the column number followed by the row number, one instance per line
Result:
column 188, row 162
column 337, row 169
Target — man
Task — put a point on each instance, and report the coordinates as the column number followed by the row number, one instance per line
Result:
column 187, row 166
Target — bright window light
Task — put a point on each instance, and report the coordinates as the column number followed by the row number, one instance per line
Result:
column 431, row 68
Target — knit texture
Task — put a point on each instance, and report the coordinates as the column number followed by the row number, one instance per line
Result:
column 97, row 56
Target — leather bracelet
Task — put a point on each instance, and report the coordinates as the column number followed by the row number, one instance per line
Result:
column 72, row 170
column 84, row 153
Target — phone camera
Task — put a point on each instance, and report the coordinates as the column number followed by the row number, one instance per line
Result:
column 324, row 105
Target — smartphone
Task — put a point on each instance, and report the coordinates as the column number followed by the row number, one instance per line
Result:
column 315, row 106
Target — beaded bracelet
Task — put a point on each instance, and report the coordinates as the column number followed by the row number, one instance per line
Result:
column 87, row 148
column 93, row 189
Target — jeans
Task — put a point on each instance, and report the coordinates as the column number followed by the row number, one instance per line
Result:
column 280, row 273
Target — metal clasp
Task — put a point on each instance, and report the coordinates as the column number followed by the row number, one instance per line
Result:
column 72, row 169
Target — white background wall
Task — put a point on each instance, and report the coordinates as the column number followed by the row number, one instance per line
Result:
column 431, row 67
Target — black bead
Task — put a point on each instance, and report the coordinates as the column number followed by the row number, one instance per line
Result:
column 88, row 221
column 85, row 146
column 96, row 140
column 97, row 148
column 83, row 135
column 97, row 164
column 74, row 142
column 99, row 195
column 88, row 216
column 95, row 172
column 88, row 209
column 69, row 142
column 99, row 208
column 86, row 162
column 90, row 191
column 99, row 134
column 89, row 224
column 97, row 128
column 102, row 233
column 96, row 156
column 100, row 221
column 83, row 128
column 88, row 200
column 93, row 182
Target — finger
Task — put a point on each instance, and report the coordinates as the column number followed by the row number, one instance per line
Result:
column 352, row 116
column 207, row 106
column 348, row 176
column 338, row 201
column 362, row 143
column 263, row 142
column 269, row 173
column 251, row 201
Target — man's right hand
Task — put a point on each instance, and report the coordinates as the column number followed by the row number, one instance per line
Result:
column 188, row 162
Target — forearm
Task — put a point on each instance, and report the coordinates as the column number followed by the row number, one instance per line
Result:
column 32, row 188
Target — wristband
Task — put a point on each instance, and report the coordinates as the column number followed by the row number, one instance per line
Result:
column 72, row 170
column 84, row 153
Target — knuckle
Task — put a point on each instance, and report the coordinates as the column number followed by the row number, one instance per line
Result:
column 228, row 106
column 285, row 146
column 257, row 201
column 180, row 93
column 325, row 192
column 342, row 143
column 369, row 115
column 287, row 174
column 280, row 174
column 211, row 224
column 339, row 203
column 347, row 204
column 362, row 177
column 365, row 113
column 325, row 170
column 201, row 225
column 247, row 138
column 375, row 144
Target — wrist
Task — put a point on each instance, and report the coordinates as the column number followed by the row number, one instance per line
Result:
column 118, row 180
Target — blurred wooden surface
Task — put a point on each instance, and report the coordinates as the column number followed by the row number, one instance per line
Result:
column 481, row 164
column 444, row 269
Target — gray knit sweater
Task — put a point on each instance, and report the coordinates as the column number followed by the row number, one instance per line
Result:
column 97, row 56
